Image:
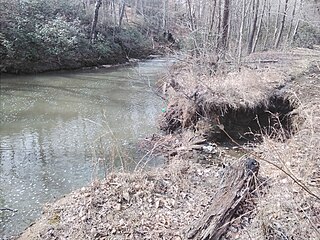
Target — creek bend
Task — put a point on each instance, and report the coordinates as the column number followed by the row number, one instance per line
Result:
column 50, row 122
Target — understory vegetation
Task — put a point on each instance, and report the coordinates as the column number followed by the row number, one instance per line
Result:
column 42, row 35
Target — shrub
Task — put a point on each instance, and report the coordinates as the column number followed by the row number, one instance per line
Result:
column 40, row 35
column 132, row 41
column 59, row 36
column 307, row 36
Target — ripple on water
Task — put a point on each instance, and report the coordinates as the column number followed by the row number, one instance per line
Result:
column 51, row 124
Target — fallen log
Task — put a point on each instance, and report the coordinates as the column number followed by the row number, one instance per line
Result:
column 237, row 185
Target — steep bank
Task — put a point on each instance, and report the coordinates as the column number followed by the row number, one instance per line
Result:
column 122, row 45
column 164, row 203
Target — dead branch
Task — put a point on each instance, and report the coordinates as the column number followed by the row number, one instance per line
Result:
column 237, row 185
column 8, row 209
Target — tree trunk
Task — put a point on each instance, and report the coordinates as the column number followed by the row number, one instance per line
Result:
column 277, row 21
column 291, row 20
column 259, row 27
column 165, row 15
column 241, row 31
column 295, row 31
column 267, row 27
column 276, row 45
column 297, row 25
column 244, row 14
column 229, row 33
column 123, row 7
column 93, row 33
column 212, row 16
column 225, row 25
column 135, row 8
column 218, row 26
column 142, row 10
column 253, row 25
column 190, row 15
column 114, row 13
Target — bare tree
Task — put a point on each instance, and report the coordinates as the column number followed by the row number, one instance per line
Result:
column 276, row 44
column 297, row 24
column 292, row 18
column 122, row 11
column 241, row 30
column 113, row 11
column 165, row 14
column 212, row 16
column 253, row 25
column 93, row 33
column 267, row 25
column 218, row 33
column 190, row 15
column 225, row 25
column 259, row 27
column 277, row 21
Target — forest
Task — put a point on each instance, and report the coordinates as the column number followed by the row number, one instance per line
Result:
column 42, row 35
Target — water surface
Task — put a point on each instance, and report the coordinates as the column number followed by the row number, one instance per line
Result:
column 55, row 126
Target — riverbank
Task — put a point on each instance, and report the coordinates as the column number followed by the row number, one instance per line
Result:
column 118, row 58
column 55, row 127
column 41, row 36
column 79, row 60
column 267, row 111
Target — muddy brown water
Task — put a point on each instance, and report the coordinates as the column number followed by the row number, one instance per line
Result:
column 53, row 125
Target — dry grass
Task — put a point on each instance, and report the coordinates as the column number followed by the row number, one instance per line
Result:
column 180, row 113
column 245, row 88
column 287, row 210
column 290, row 206
column 194, row 94
column 143, row 205
column 293, row 62
column 162, row 203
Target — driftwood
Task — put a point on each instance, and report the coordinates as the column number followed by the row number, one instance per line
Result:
column 237, row 185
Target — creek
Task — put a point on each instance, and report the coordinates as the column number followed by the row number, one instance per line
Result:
column 54, row 125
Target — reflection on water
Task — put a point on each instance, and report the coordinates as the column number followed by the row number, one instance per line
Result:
column 50, row 124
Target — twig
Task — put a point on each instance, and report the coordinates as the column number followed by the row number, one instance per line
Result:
column 8, row 209
column 148, row 153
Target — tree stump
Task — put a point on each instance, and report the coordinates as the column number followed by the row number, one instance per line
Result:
column 237, row 186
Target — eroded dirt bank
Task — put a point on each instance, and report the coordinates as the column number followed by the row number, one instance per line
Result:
column 269, row 111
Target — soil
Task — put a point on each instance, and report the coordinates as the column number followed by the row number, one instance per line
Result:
column 206, row 125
